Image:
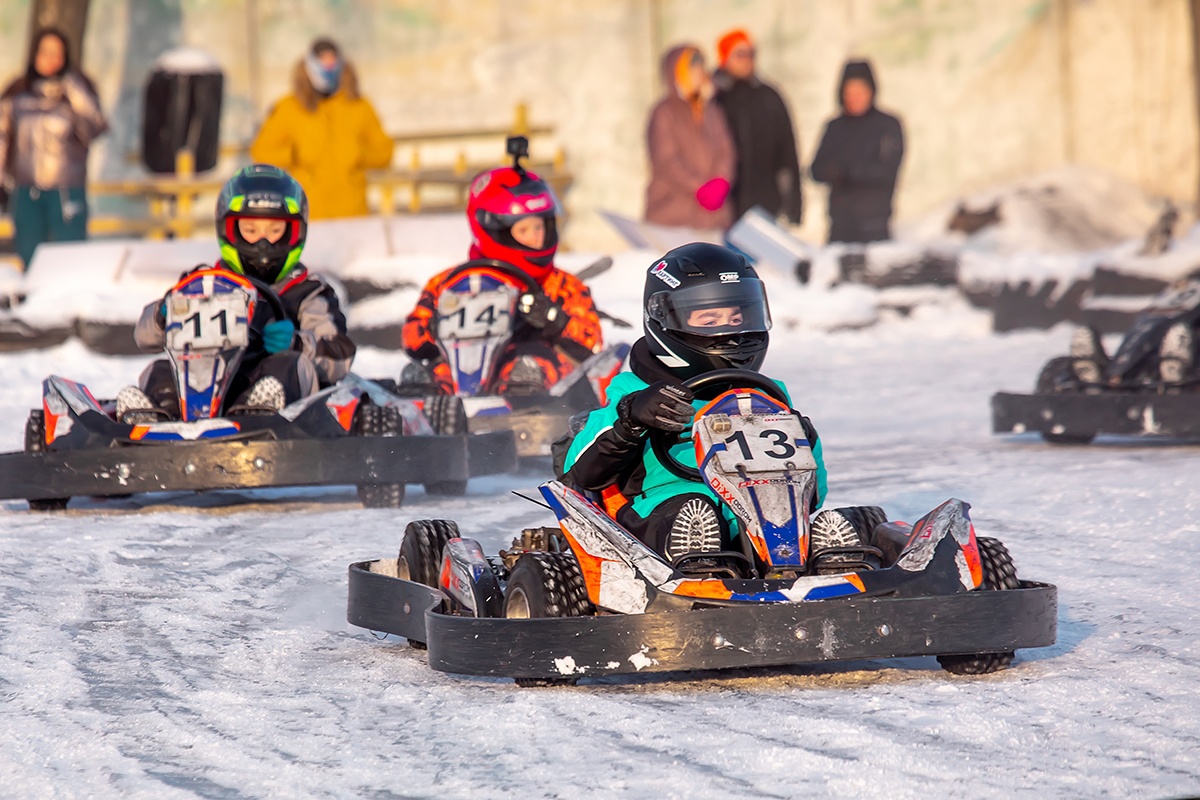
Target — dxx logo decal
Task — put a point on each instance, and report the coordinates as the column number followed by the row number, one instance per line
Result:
column 765, row 482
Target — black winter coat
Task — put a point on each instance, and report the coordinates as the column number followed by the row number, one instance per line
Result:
column 768, row 170
column 859, row 157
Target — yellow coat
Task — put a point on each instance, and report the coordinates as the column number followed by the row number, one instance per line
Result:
column 327, row 144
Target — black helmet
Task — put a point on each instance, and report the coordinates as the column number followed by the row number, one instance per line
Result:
column 706, row 309
column 268, row 192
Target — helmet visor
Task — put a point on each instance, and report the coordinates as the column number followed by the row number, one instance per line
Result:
column 713, row 309
column 500, row 228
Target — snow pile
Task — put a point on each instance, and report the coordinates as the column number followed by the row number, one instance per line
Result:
column 1064, row 210
column 1056, row 228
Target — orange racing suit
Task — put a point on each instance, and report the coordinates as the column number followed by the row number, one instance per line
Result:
column 556, row 348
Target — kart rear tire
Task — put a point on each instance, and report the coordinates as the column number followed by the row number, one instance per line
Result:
column 864, row 519
column 447, row 417
column 384, row 421
column 35, row 442
column 545, row 585
column 999, row 574
column 420, row 558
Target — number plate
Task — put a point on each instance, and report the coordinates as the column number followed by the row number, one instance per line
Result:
column 475, row 316
column 759, row 443
column 200, row 322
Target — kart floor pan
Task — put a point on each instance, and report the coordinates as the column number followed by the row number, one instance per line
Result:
column 716, row 638
column 195, row 466
column 1087, row 414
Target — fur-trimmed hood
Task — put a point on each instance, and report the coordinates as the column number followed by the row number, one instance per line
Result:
column 309, row 98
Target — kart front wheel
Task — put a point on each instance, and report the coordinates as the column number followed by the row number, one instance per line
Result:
column 1057, row 376
column 546, row 585
column 1067, row 438
column 420, row 559
column 380, row 421
column 35, row 442
column 999, row 573
column 447, row 417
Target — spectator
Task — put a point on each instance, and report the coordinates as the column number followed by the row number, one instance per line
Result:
column 691, row 152
column 48, row 117
column 768, row 170
column 325, row 134
column 859, row 158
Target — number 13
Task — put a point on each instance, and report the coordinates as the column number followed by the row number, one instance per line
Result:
column 782, row 447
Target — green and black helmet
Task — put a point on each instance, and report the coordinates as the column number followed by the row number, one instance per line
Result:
column 261, row 191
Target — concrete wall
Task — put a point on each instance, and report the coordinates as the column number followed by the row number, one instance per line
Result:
column 989, row 90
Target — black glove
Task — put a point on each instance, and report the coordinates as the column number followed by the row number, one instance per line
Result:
column 428, row 351
column 539, row 311
column 665, row 405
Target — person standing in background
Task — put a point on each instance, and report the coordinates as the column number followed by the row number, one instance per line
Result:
column 768, row 168
column 691, row 151
column 325, row 134
column 48, row 119
column 859, row 157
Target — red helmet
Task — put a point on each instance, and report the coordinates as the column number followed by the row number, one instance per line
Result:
column 499, row 199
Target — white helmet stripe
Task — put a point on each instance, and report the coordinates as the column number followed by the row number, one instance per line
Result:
column 672, row 358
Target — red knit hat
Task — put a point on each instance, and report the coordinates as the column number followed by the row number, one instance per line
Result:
column 729, row 41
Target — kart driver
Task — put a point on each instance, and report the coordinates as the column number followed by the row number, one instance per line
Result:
column 262, row 225
column 512, row 214
column 706, row 309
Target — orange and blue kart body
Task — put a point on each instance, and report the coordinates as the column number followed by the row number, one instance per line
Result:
column 469, row 315
column 75, row 445
column 81, row 450
column 651, row 615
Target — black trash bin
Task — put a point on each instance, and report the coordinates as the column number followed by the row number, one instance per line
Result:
column 182, row 110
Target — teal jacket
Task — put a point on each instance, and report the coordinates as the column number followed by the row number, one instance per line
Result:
column 601, row 455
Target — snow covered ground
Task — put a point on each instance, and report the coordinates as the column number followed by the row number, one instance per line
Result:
column 195, row 646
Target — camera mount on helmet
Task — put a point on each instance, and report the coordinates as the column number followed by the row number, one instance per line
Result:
column 518, row 148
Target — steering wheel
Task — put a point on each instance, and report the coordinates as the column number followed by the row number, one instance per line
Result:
column 662, row 441
column 274, row 303
column 529, row 285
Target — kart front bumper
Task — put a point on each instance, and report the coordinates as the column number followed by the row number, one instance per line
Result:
column 1084, row 415
column 247, row 464
column 765, row 634
column 533, row 430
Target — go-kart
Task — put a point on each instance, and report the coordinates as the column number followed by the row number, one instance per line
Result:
column 474, row 325
column 354, row 432
column 1130, row 396
column 589, row 599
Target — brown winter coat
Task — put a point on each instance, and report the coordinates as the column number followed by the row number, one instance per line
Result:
column 685, row 154
column 326, row 143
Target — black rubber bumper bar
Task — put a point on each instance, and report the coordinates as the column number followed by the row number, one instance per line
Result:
column 713, row 638
column 1086, row 414
column 194, row 466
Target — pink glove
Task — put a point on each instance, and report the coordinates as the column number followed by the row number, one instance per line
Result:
column 711, row 196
